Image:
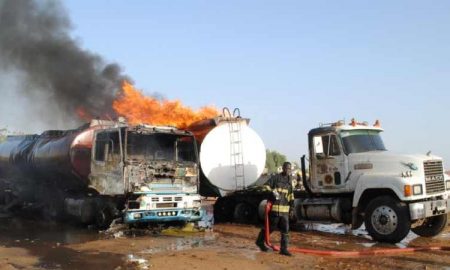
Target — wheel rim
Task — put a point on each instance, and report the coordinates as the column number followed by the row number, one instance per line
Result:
column 384, row 220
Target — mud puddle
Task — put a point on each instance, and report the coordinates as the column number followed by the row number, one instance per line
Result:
column 46, row 242
column 43, row 245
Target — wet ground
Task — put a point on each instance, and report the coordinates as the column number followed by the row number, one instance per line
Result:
column 26, row 244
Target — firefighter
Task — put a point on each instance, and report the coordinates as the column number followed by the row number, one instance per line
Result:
column 281, row 187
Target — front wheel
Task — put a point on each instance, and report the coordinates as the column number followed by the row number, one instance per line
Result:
column 387, row 219
column 431, row 226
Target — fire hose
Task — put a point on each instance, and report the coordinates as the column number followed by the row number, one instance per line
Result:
column 340, row 253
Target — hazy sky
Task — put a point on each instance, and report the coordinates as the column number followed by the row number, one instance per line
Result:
column 288, row 65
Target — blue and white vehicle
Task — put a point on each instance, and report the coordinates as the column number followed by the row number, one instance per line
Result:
column 155, row 168
column 161, row 175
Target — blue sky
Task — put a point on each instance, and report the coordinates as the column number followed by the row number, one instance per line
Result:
column 288, row 65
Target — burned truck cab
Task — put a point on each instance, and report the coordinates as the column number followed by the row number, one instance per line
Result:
column 155, row 168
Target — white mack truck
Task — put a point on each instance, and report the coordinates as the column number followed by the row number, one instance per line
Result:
column 354, row 180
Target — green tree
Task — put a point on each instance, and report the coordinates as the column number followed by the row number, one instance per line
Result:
column 274, row 160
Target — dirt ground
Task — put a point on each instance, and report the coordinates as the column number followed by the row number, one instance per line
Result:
column 27, row 245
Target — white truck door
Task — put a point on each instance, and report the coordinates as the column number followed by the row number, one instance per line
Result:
column 329, row 164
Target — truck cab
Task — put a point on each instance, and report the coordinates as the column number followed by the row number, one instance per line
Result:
column 154, row 168
column 355, row 179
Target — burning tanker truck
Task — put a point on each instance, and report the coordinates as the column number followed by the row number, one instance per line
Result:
column 102, row 171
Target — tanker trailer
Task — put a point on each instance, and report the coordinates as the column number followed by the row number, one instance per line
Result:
column 103, row 171
column 232, row 158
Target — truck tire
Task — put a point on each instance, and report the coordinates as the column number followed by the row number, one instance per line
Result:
column 431, row 226
column 223, row 210
column 103, row 218
column 387, row 219
column 244, row 213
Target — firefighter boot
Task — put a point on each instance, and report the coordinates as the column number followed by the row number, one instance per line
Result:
column 260, row 241
column 284, row 245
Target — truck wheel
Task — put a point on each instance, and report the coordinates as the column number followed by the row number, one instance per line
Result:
column 103, row 218
column 431, row 226
column 244, row 213
column 387, row 219
column 223, row 210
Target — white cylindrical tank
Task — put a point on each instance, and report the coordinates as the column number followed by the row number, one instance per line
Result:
column 232, row 155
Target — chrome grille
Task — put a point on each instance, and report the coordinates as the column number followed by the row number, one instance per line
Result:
column 167, row 199
column 434, row 176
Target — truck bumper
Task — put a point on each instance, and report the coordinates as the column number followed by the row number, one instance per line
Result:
column 156, row 216
column 426, row 209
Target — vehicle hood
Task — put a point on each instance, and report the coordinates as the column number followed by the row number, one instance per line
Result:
column 387, row 162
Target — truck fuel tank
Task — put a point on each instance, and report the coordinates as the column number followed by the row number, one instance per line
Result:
column 319, row 209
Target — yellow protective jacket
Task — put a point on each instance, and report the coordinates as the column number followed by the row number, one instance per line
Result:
column 283, row 185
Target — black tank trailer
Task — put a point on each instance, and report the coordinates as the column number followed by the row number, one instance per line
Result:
column 47, row 173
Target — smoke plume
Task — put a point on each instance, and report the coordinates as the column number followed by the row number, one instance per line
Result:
column 35, row 42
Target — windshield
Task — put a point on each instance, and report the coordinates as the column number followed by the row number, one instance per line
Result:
column 161, row 146
column 358, row 141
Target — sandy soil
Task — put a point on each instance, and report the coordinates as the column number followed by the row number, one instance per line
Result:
column 232, row 247
column 228, row 247
column 16, row 258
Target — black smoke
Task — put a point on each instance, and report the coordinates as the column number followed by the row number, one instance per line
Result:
column 35, row 40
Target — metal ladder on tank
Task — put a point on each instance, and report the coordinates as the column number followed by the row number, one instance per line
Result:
column 236, row 149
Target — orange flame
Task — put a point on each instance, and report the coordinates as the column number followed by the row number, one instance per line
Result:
column 137, row 109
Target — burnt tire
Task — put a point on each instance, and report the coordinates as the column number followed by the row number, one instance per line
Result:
column 387, row 219
column 244, row 213
column 431, row 226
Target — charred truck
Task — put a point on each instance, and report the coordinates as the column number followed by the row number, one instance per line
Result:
column 102, row 171
column 353, row 180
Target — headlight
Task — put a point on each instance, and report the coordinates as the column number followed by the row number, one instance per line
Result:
column 417, row 190
column 447, row 184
